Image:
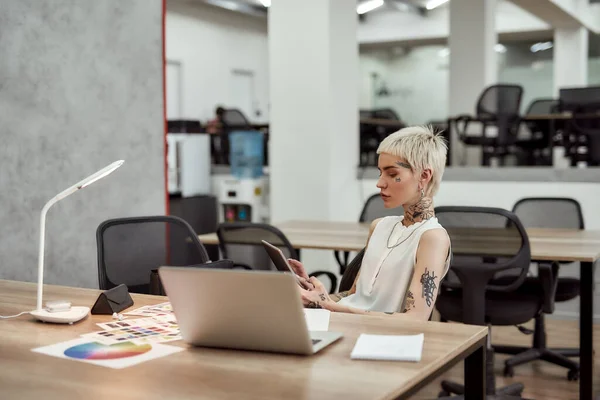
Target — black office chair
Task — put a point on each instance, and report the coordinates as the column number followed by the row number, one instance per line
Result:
column 351, row 271
column 582, row 134
column 498, row 106
column 385, row 113
column 242, row 243
column 536, row 212
column 371, row 135
column 373, row 208
column 489, row 243
column 537, row 148
column 130, row 248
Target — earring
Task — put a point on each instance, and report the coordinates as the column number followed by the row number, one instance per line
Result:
column 422, row 193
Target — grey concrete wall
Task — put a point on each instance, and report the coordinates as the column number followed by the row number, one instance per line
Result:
column 80, row 87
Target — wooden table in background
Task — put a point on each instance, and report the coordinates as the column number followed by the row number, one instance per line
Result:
column 546, row 245
column 200, row 373
column 392, row 123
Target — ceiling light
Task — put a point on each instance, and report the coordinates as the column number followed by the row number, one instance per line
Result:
column 445, row 52
column 500, row 48
column 541, row 46
column 266, row 3
column 369, row 5
column 431, row 4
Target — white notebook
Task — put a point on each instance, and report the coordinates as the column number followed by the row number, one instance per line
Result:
column 388, row 347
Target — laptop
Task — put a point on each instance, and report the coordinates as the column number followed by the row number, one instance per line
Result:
column 244, row 310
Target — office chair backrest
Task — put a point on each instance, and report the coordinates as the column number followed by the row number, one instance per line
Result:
column 130, row 248
column 241, row 242
column 374, row 208
column 549, row 212
column 365, row 114
column 542, row 107
column 234, row 118
column 351, row 271
column 487, row 244
column 385, row 113
column 504, row 100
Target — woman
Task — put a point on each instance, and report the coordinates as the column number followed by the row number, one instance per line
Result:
column 406, row 256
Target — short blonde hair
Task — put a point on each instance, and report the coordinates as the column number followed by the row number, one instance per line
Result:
column 422, row 148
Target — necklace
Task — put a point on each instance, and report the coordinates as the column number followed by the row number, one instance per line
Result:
column 390, row 252
column 392, row 231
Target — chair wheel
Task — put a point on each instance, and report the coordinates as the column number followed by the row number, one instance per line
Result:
column 509, row 371
column 573, row 374
column 443, row 393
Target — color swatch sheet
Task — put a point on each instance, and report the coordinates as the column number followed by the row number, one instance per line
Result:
column 118, row 355
column 158, row 329
column 155, row 310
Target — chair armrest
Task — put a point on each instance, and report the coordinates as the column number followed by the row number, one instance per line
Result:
column 456, row 121
column 242, row 265
column 483, row 274
column 548, row 275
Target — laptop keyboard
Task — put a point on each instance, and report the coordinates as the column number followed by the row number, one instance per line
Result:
column 315, row 341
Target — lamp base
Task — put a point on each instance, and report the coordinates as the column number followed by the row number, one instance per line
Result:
column 65, row 317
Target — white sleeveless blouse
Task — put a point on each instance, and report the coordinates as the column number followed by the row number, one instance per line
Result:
column 386, row 273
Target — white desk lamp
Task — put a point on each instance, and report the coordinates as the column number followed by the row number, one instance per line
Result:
column 70, row 314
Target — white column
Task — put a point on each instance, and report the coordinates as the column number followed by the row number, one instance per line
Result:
column 473, row 64
column 570, row 58
column 313, row 151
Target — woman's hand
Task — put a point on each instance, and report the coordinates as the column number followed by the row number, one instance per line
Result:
column 299, row 270
column 317, row 297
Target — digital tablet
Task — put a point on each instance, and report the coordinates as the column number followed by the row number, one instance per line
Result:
column 279, row 260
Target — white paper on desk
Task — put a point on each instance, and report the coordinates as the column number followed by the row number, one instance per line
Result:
column 388, row 347
column 117, row 356
column 317, row 319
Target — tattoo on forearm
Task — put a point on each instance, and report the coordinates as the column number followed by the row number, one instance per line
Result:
column 409, row 304
column 338, row 296
column 322, row 296
column 389, row 312
column 403, row 164
column 429, row 286
column 313, row 304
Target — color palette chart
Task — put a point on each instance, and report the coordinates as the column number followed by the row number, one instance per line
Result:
column 123, row 343
column 98, row 351
column 161, row 309
column 117, row 356
column 138, row 331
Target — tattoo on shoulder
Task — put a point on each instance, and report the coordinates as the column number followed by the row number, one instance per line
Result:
column 428, row 282
column 409, row 304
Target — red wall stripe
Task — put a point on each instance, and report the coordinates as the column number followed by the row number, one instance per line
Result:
column 165, row 127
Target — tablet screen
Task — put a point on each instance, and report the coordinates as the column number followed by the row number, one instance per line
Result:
column 278, row 257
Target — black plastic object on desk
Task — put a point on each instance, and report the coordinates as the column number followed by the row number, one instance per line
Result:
column 113, row 301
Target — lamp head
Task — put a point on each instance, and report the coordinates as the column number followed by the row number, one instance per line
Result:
column 100, row 174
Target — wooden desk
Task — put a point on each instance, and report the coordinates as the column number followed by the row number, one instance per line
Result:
column 558, row 117
column 546, row 245
column 223, row 374
column 383, row 122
